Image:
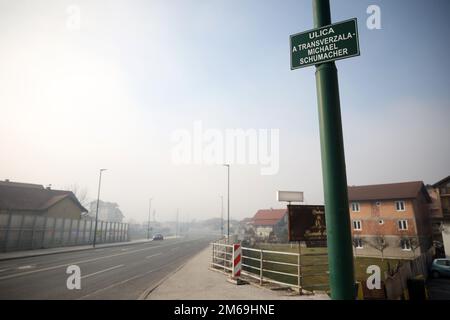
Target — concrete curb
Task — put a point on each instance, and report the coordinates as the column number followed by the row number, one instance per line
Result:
column 250, row 281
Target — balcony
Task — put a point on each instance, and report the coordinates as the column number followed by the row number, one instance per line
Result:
column 446, row 213
column 444, row 192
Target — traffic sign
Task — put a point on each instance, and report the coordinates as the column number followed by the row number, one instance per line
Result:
column 329, row 43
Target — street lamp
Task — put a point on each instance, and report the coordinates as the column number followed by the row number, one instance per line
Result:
column 221, row 218
column 149, row 212
column 96, row 211
column 176, row 228
column 228, row 205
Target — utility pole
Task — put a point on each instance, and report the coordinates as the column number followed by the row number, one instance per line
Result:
column 188, row 224
column 337, row 215
column 149, row 217
column 221, row 218
column 96, row 211
column 176, row 229
column 228, row 205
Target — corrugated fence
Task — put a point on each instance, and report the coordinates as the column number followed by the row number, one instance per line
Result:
column 27, row 232
column 396, row 285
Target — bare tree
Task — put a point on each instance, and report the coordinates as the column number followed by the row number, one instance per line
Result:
column 414, row 243
column 379, row 243
column 80, row 193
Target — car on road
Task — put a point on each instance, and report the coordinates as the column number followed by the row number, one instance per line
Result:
column 440, row 268
column 158, row 237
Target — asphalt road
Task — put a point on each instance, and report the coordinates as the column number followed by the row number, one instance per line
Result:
column 123, row 272
column 439, row 289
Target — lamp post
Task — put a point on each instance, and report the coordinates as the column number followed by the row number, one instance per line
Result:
column 221, row 218
column 96, row 211
column 176, row 229
column 228, row 204
column 149, row 213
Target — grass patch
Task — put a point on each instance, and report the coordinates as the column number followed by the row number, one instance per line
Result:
column 313, row 260
column 362, row 263
column 314, row 263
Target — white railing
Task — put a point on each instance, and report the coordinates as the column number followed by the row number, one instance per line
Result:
column 222, row 254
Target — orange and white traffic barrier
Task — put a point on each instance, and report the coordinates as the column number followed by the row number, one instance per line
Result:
column 237, row 260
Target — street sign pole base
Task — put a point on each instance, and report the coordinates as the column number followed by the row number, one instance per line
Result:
column 237, row 281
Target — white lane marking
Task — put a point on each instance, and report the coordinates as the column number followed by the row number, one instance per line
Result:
column 153, row 255
column 101, row 271
column 173, row 249
column 117, row 284
column 26, row 267
column 2, row 270
column 79, row 262
column 127, row 280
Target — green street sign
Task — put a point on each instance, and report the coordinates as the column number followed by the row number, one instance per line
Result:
column 333, row 42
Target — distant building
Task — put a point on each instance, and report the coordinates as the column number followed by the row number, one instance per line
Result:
column 442, row 206
column 107, row 211
column 437, row 218
column 269, row 222
column 245, row 230
column 34, row 199
column 394, row 216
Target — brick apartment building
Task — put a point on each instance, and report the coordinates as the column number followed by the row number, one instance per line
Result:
column 393, row 217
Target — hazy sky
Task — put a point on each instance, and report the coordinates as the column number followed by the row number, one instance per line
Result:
column 111, row 91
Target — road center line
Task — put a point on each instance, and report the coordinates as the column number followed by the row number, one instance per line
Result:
column 26, row 267
column 83, row 261
column 101, row 271
column 132, row 278
column 117, row 283
column 153, row 255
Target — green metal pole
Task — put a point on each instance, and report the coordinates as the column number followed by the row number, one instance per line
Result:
column 340, row 254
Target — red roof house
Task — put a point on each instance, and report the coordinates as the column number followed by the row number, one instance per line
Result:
column 268, row 217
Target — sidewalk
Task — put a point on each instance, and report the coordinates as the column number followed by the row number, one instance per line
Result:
column 194, row 281
column 43, row 252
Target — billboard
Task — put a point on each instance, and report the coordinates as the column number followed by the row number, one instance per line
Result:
column 307, row 223
column 290, row 196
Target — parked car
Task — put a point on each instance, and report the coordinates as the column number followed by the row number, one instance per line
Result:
column 158, row 237
column 440, row 268
column 439, row 249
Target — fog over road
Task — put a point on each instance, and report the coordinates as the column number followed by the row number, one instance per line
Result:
column 122, row 272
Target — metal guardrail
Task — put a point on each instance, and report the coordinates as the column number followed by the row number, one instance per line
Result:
column 221, row 252
column 222, row 259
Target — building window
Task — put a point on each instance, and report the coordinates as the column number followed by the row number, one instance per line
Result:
column 357, row 225
column 402, row 224
column 381, row 222
column 406, row 245
column 355, row 206
column 358, row 243
column 400, row 205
